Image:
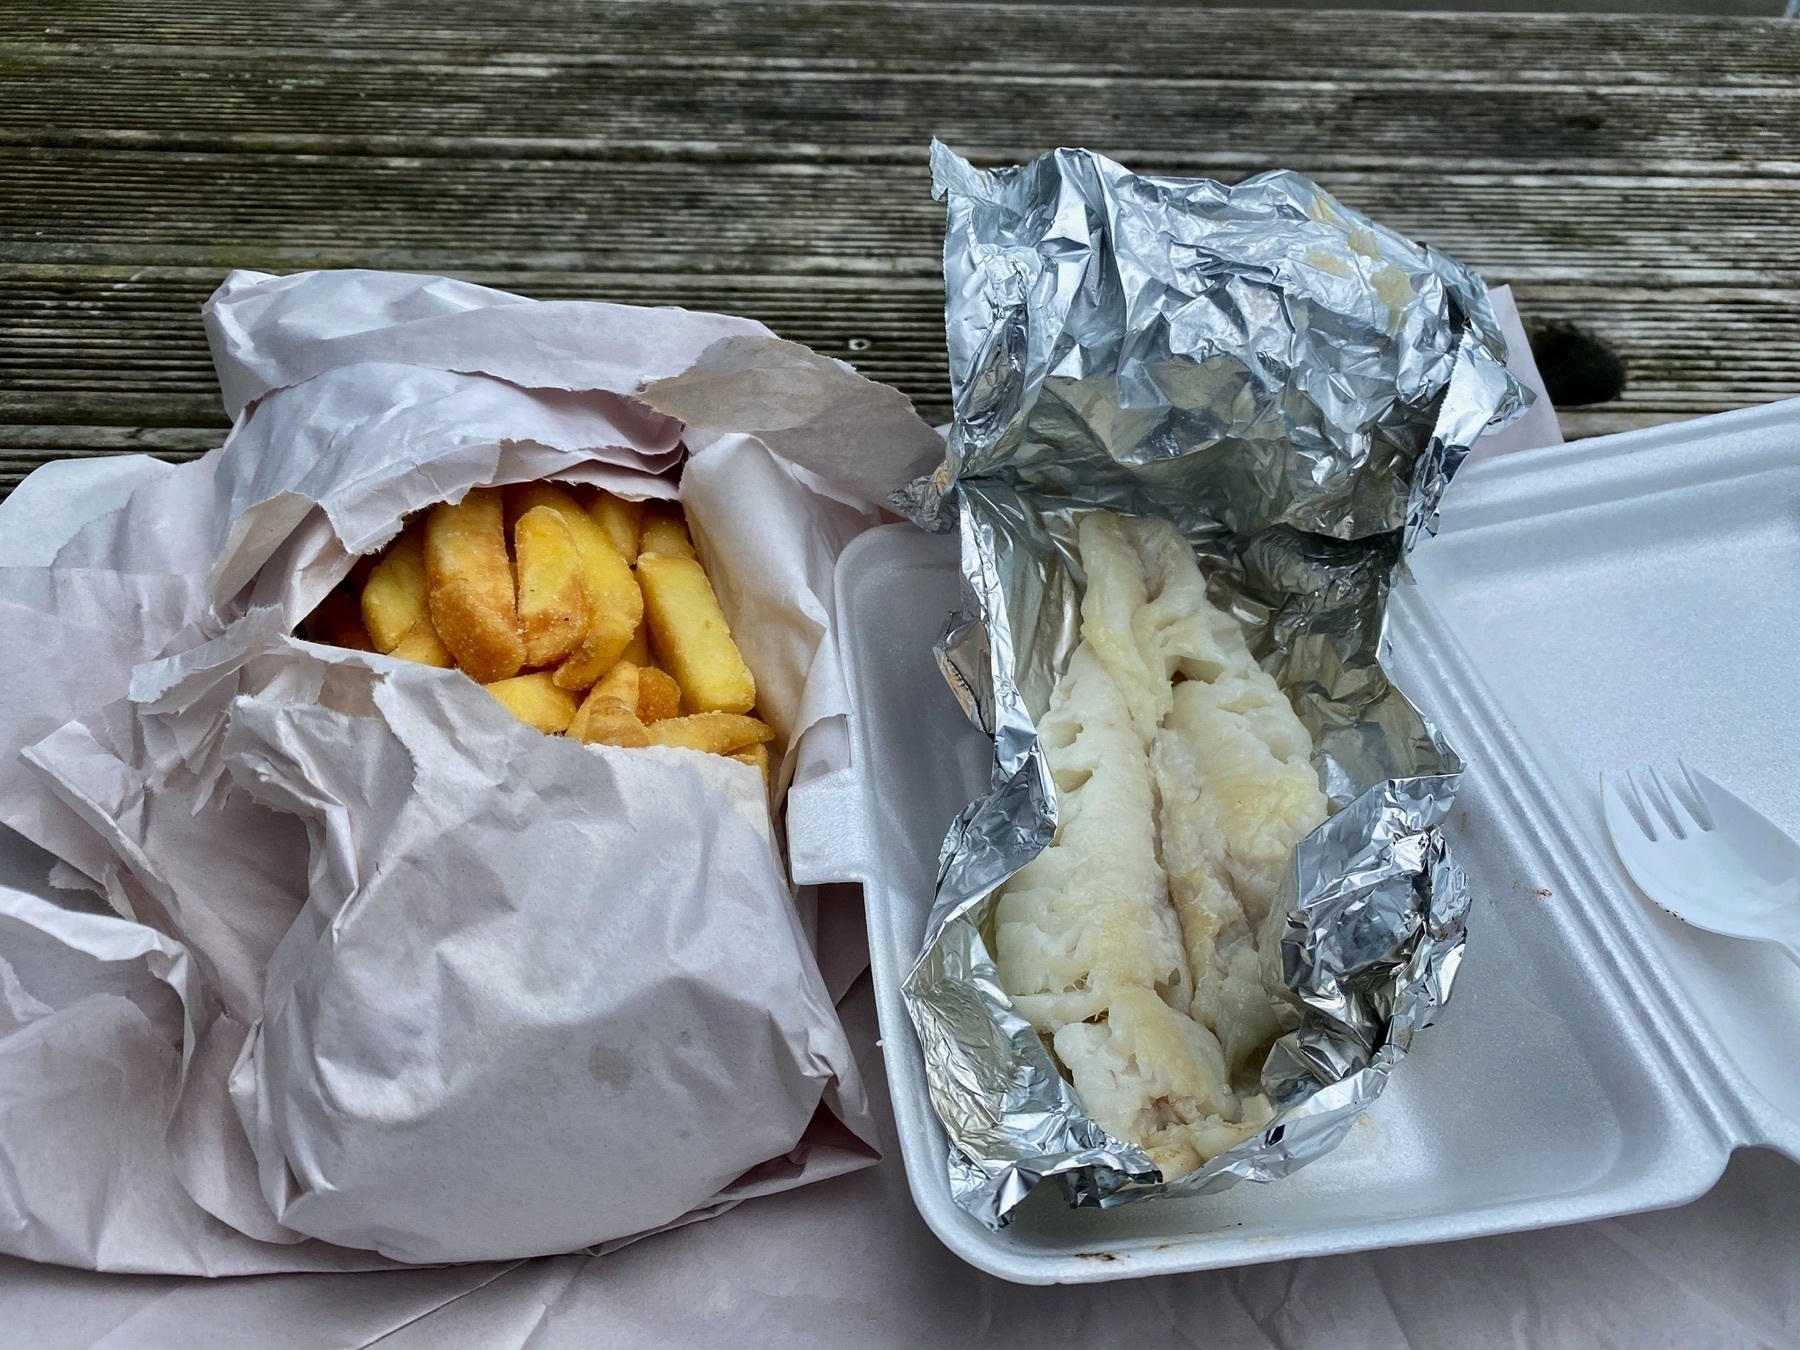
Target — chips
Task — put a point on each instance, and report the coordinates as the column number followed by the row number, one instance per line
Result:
column 717, row 733
column 608, row 716
column 553, row 607
column 637, row 651
column 615, row 607
column 423, row 645
column 559, row 629
column 470, row 586
column 396, row 607
column 536, row 701
column 336, row 621
column 665, row 531
column 757, row 757
column 394, row 598
column 606, row 721
column 689, row 635
column 620, row 521
column 658, row 694
column 623, row 684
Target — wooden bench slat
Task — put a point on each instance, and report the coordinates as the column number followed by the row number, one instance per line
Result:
column 1062, row 40
column 278, row 211
column 131, row 349
column 1357, row 120
column 1638, row 177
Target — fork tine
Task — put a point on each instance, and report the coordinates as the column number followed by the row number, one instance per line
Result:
column 1686, row 798
column 1702, row 812
column 1661, row 827
column 1620, row 786
column 1673, row 807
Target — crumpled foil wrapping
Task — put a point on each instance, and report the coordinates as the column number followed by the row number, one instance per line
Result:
column 1294, row 386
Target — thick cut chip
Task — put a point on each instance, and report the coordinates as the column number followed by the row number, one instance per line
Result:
column 690, row 637
column 665, row 531
column 757, row 757
column 620, row 521
column 536, row 701
column 396, row 606
column 717, row 733
column 337, row 621
column 553, row 608
column 658, row 694
column 423, row 645
column 622, row 682
column 360, row 569
column 637, row 651
column 615, row 606
column 604, row 720
column 394, row 598
column 471, row 589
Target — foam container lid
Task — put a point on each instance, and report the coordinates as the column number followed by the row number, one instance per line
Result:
column 1589, row 607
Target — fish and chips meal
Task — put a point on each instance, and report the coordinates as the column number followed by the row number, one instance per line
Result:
column 1133, row 942
column 590, row 618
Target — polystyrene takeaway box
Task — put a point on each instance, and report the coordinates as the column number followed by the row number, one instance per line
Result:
column 1584, row 607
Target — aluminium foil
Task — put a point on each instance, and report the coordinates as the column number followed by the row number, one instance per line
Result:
column 1294, row 386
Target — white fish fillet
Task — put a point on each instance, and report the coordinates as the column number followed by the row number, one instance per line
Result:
column 1156, row 1077
column 1089, row 916
column 1239, row 741
column 1234, row 779
column 1110, row 611
column 1169, row 746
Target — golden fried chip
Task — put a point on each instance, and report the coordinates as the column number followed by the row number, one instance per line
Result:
column 620, row 520
column 637, row 651
column 553, row 608
column 535, row 700
column 690, row 636
column 395, row 596
column 523, row 497
column 337, row 621
column 423, row 645
column 622, row 682
column 717, row 733
column 665, row 531
column 470, row 586
column 615, row 606
column 603, row 720
column 396, row 607
column 757, row 757
column 658, row 695
column 360, row 570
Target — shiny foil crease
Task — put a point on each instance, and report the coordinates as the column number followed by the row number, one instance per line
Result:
column 1294, row 386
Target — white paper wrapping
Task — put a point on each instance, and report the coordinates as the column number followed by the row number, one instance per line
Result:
column 413, row 982
column 848, row 1263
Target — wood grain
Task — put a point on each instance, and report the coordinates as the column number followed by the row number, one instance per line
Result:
column 1638, row 177
column 823, row 115
column 1089, row 40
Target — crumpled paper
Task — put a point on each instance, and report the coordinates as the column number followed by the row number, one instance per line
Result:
column 1292, row 385
column 419, row 981
column 852, row 1263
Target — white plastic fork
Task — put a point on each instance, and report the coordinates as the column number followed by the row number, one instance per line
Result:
column 1716, row 863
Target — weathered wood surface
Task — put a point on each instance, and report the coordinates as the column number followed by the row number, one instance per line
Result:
column 1636, row 176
